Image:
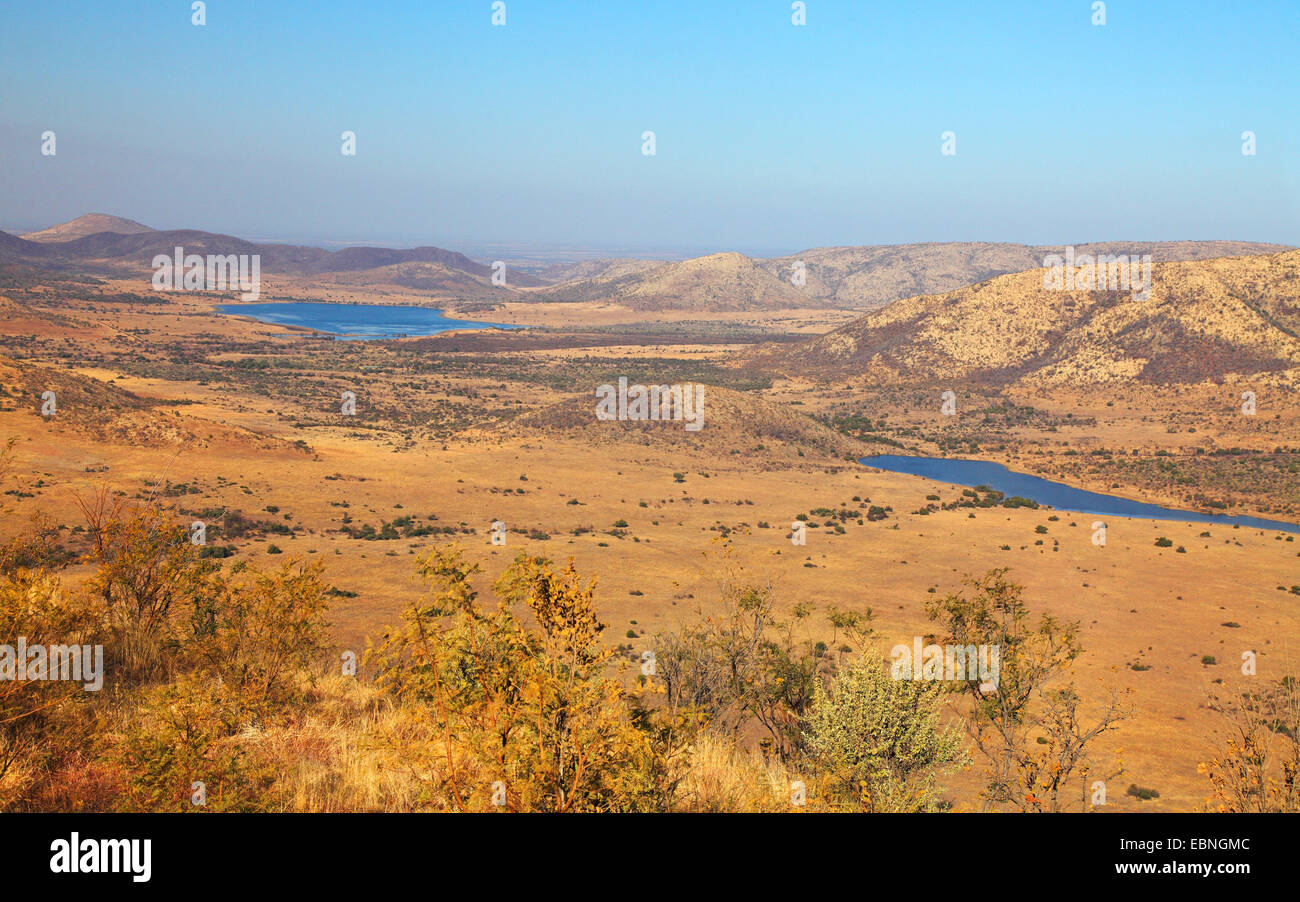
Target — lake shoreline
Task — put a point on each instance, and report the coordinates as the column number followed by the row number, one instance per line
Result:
column 970, row 473
column 360, row 322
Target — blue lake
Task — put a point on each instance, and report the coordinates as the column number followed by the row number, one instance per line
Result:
column 358, row 321
column 1058, row 495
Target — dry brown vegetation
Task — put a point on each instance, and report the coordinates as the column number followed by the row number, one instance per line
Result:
column 221, row 694
column 1205, row 321
column 201, row 417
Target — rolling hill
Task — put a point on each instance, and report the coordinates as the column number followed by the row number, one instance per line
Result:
column 1204, row 320
column 733, row 423
column 872, row 276
column 714, row 283
column 837, row 277
column 843, row 277
column 435, row 278
column 90, row 224
column 121, row 243
column 591, row 269
column 15, row 249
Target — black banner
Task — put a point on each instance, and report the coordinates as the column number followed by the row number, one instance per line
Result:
column 615, row 853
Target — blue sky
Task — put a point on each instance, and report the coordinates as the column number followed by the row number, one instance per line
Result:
column 770, row 137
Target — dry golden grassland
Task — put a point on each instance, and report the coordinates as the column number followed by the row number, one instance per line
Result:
column 244, row 417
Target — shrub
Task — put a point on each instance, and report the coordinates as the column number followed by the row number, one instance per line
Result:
column 527, row 709
column 34, row 605
column 145, row 568
column 257, row 634
column 182, row 733
column 879, row 741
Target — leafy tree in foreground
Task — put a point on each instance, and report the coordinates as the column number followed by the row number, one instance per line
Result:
column 1257, row 767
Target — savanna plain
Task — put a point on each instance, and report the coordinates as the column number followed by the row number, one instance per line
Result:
column 648, row 636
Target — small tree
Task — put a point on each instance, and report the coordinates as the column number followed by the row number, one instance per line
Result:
column 743, row 664
column 145, row 567
column 258, row 635
column 1030, row 732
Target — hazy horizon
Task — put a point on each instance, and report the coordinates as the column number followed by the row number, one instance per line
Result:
column 770, row 137
column 563, row 253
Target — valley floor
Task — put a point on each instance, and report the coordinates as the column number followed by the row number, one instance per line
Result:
column 242, row 419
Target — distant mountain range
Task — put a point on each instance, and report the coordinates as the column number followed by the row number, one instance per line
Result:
column 872, row 276
column 860, row 278
column 126, row 243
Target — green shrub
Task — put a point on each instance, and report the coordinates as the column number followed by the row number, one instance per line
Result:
column 881, row 742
